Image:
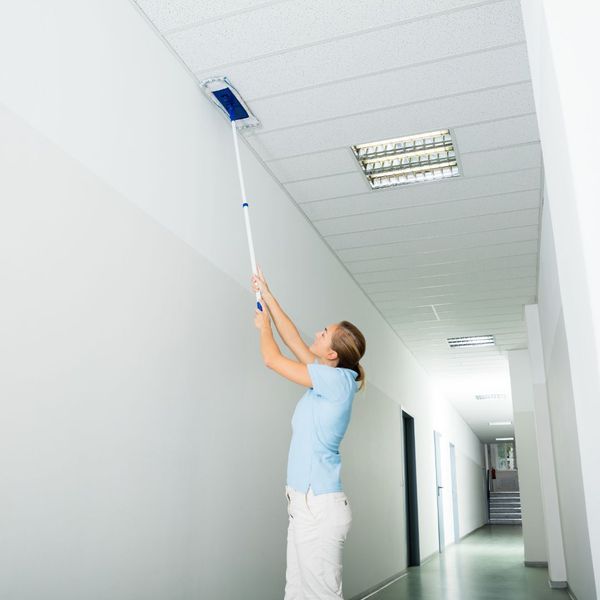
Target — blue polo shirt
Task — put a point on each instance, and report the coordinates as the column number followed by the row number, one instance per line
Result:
column 319, row 423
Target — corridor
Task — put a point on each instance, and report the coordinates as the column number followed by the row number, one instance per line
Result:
column 487, row 565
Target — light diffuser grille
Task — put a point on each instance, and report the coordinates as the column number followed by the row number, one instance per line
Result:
column 409, row 159
column 475, row 340
column 490, row 396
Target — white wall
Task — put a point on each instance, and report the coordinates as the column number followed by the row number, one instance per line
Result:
column 566, row 85
column 565, row 434
column 142, row 442
column 534, row 534
column 557, row 569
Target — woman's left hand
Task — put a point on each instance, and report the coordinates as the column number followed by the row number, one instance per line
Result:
column 262, row 319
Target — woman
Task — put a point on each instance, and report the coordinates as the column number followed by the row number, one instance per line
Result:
column 318, row 509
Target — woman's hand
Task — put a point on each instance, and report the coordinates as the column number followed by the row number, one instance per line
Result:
column 262, row 319
column 259, row 284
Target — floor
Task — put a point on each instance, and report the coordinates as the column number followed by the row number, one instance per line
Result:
column 486, row 565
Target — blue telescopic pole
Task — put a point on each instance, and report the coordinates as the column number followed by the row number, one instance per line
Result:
column 245, row 208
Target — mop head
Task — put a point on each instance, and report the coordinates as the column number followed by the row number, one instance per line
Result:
column 221, row 92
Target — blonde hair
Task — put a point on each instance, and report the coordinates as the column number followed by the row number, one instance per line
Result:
column 350, row 345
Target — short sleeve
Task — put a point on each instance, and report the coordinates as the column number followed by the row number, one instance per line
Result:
column 328, row 382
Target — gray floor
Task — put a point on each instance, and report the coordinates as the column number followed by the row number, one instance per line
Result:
column 487, row 565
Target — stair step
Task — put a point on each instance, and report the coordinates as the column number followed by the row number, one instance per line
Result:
column 505, row 508
column 505, row 496
column 506, row 522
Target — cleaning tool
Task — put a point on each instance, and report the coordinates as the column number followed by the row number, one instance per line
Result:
column 222, row 93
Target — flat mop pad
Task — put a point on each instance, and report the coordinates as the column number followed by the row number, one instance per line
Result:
column 221, row 92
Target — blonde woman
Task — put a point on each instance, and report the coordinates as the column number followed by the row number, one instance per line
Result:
column 318, row 509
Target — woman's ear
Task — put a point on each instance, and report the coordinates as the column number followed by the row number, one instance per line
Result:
column 332, row 355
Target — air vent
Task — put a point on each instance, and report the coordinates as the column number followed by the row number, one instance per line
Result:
column 477, row 340
column 490, row 397
column 409, row 159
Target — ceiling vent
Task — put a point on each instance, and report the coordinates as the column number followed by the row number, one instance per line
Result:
column 409, row 159
column 474, row 340
column 490, row 397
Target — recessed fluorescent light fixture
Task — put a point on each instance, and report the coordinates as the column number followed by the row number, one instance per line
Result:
column 498, row 423
column 490, row 397
column 475, row 340
column 505, row 439
column 409, row 159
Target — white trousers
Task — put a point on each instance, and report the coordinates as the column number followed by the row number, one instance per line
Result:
column 317, row 530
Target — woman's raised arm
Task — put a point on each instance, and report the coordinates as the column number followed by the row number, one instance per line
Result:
column 287, row 330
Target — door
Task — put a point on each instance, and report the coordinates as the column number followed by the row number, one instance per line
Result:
column 413, row 554
column 440, row 498
column 454, row 493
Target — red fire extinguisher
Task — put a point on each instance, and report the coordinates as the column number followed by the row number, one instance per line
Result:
column 493, row 473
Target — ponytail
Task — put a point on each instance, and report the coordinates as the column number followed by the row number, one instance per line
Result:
column 350, row 345
column 361, row 376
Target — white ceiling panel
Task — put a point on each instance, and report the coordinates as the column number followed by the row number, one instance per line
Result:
column 418, row 297
column 462, row 283
column 457, row 188
column 493, row 305
column 514, row 158
column 430, row 115
column 450, row 318
column 451, row 312
column 459, row 209
column 404, row 44
column 466, row 226
column 332, row 186
column 440, row 257
column 346, row 185
column 510, row 131
column 395, row 308
column 412, row 85
column 456, row 327
column 439, row 274
column 309, row 166
column 323, row 76
column 175, row 14
column 283, row 26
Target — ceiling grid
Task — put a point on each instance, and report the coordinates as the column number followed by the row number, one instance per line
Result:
column 448, row 258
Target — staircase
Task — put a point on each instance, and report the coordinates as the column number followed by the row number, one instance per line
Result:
column 505, row 508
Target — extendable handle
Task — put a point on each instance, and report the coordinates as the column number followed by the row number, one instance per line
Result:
column 246, row 213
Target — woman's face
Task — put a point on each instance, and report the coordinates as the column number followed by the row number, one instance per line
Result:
column 321, row 346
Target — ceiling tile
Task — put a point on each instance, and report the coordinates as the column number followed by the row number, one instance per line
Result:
column 283, row 26
column 475, row 270
column 430, row 115
column 173, row 14
column 396, row 258
column 504, row 66
column 459, row 209
column 470, row 30
column 458, row 188
column 319, row 164
column 466, row 226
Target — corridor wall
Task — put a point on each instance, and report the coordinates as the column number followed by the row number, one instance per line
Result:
column 142, row 441
column 567, row 458
column 566, row 88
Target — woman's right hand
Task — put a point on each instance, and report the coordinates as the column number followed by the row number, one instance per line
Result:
column 259, row 283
